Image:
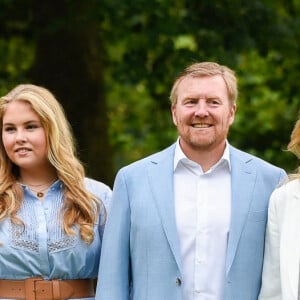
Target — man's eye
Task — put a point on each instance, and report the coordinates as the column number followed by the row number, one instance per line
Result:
column 214, row 101
column 191, row 102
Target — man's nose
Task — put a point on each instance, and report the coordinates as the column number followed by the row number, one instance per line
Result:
column 201, row 109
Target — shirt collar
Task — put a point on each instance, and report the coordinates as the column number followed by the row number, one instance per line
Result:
column 179, row 156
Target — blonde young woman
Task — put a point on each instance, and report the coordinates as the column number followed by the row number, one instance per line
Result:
column 280, row 279
column 51, row 215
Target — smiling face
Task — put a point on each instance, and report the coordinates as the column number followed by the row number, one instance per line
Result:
column 24, row 137
column 202, row 113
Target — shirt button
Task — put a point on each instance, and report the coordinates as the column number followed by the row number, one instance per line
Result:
column 178, row 281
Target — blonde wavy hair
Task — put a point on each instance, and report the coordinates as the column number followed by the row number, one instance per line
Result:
column 80, row 206
column 294, row 147
column 204, row 69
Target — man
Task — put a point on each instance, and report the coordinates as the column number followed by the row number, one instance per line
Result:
column 189, row 222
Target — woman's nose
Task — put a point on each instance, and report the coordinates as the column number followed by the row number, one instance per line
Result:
column 20, row 137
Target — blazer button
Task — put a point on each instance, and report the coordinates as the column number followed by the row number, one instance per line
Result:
column 178, row 281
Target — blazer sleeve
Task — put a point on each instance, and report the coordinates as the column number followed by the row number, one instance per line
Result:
column 271, row 283
column 114, row 270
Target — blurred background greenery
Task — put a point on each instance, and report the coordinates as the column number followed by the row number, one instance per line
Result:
column 112, row 64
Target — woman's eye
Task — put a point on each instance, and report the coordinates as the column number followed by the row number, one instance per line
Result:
column 9, row 129
column 31, row 126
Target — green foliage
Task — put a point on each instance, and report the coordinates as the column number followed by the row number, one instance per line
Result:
column 266, row 114
column 136, row 121
column 16, row 59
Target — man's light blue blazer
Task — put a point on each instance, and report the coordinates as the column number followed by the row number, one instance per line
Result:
column 140, row 257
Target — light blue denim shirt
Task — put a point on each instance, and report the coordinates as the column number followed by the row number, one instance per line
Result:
column 42, row 248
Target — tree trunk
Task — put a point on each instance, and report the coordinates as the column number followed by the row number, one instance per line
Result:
column 69, row 62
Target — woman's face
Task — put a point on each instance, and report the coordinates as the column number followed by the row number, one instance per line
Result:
column 23, row 136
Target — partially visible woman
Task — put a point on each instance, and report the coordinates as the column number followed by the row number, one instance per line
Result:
column 280, row 279
column 51, row 216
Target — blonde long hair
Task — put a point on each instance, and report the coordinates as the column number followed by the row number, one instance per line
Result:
column 80, row 206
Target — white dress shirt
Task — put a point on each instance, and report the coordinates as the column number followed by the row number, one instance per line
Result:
column 202, row 208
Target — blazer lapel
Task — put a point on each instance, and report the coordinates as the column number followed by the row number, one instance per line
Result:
column 290, row 243
column 160, row 174
column 242, row 183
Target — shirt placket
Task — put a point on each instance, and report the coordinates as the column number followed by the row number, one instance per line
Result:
column 201, row 236
column 42, row 238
